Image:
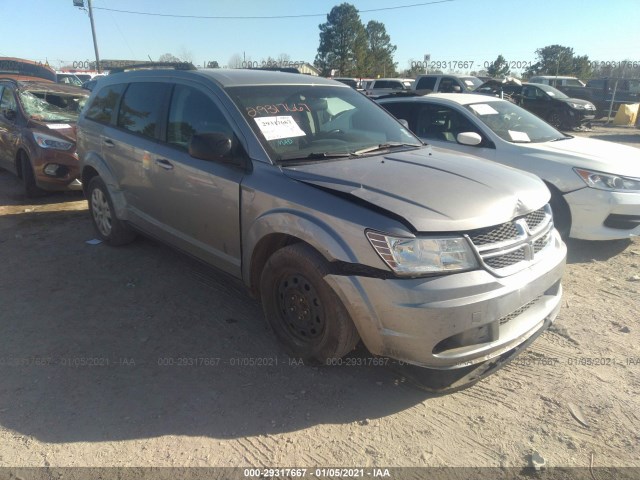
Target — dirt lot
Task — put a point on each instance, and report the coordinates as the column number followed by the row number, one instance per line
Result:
column 138, row 356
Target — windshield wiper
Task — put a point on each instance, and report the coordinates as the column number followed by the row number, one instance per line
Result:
column 561, row 138
column 384, row 146
column 318, row 155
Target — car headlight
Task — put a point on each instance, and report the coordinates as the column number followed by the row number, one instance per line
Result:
column 577, row 106
column 608, row 181
column 47, row 141
column 418, row 256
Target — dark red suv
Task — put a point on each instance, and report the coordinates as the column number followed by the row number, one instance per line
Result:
column 38, row 133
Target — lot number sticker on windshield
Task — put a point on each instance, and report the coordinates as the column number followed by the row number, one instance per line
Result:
column 519, row 136
column 274, row 128
column 484, row 109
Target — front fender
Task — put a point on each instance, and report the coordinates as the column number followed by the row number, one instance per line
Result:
column 301, row 225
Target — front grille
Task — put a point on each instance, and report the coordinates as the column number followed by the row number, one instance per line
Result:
column 501, row 233
column 503, row 261
column 542, row 242
column 534, row 219
column 519, row 311
column 505, row 246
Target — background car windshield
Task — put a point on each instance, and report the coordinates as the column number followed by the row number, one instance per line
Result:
column 52, row 106
column 471, row 83
column 554, row 92
column 298, row 121
column 514, row 124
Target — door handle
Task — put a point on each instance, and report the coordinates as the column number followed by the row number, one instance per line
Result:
column 107, row 142
column 166, row 164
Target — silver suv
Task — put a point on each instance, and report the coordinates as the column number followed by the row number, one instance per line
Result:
column 337, row 217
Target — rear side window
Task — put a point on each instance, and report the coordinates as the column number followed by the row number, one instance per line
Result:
column 142, row 106
column 105, row 103
column 426, row 83
column 401, row 111
column 192, row 112
column 7, row 101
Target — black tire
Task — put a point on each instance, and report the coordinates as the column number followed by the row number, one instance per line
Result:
column 561, row 214
column 556, row 119
column 31, row 190
column 108, row 227
column 303, row 311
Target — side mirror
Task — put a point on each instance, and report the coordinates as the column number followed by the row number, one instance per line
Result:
column 456, row 89
column 469, row 138
column 209, row 146
column 404, row 123
column 10, row 114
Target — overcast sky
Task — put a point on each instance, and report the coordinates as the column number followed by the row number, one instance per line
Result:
column 459, row 30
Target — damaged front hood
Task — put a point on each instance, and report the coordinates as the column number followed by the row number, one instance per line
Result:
column 433, row 189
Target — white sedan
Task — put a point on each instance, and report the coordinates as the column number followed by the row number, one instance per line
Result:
column 595, row 184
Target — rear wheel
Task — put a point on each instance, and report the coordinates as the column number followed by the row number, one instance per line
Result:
column 109, row 228
column 305, row 314
column 31, row 190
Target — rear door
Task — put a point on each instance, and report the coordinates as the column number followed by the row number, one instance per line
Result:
column 131, row 141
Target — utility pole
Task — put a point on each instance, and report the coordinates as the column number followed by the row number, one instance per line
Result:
column 93, row 33
column 80, row 3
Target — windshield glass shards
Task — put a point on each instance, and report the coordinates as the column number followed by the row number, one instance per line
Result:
column 52, row 106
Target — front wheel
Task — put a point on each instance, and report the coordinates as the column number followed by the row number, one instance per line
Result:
column 31, row 190
column 109, row 228
column 556, row 119
column 306, row 315
column 561, row 214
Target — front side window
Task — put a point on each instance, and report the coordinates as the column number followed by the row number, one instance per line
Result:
column 436, row 122
column 141, row 107
column 317, row 121
column 192, row 112
column 104, row 103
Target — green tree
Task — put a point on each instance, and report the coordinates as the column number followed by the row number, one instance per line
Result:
column 559, row 60
column 343, row 42
column 379, row 60
column 168, row 57
column 499, row 68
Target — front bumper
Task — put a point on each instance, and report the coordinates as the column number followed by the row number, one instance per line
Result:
column 457, row 320
column 69, row 170
column 592, row 211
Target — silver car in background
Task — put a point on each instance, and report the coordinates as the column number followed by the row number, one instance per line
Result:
column 337, row 217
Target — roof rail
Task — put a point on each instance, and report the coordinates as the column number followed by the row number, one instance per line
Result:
column 277, row 69
column 152, row 66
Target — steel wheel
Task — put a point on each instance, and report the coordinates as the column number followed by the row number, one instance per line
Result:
column 303, row 311
column 108, row 226
column 300, row 307
column 101, row 212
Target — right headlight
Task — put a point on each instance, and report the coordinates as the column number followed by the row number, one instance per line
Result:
column 419, row 256
column 608, row 181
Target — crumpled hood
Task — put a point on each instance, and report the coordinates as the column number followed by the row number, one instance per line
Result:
column 590, row 153
column 433, row 189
